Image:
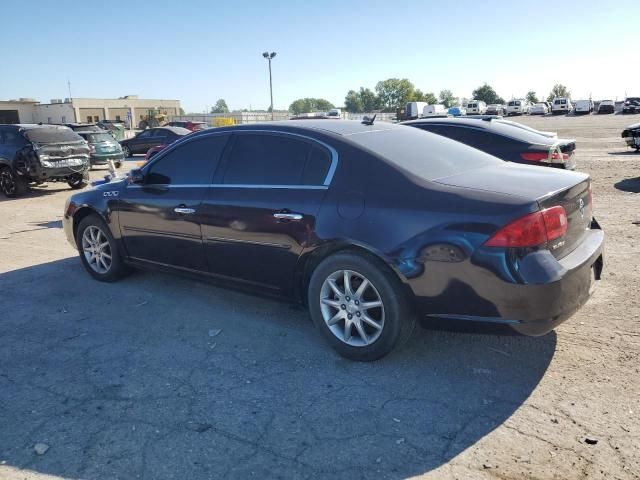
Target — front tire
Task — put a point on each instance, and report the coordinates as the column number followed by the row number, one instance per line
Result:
column 126, row 151
column 98, row 250
column 359, row 306
column 78, row 181
column 12, row 185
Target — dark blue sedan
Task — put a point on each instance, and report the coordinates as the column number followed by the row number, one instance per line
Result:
column 370, row 225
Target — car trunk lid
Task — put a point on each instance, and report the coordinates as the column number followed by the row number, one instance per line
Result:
column 544, row 187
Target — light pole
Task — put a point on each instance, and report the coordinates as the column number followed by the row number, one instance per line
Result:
column 269, row 56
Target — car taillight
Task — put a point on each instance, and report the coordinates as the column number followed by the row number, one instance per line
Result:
column 534, row 156
column 531, row 230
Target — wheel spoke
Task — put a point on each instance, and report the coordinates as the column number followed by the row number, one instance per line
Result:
column 361, row 332
column 363, row 286
column 336, row 318
column 103, row 263
column 347, row 331
column 347, row 282
column 332, row 303
column 334, row 286
column 106, row 255
column 369, row 305
column 370, row 321
column 104, row 244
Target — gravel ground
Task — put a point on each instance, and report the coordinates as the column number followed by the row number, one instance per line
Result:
column 161, row 377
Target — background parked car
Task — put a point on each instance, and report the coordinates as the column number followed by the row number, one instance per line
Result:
column 152, row 137
column 434, row 110
column 414, row 109
column 84, row 127
column 606, row 106
column 41, row 153
column 583, row 107
column 103, row 147
column 476, row 107
column 561, row 105
column 504, row 139
column 364, row 224
column 457, row 111
column 631, row 105
column 189, row 125
column 496, row 109
column 152, row 152
column 517, row 107
column 631, row 135
column 539, row 109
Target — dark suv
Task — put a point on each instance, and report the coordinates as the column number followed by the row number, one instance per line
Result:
column 41, row 153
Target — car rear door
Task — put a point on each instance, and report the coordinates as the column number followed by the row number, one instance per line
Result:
column 160, row 218
column 261, row 211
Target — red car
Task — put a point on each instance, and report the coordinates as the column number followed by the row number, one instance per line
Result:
column 189, row 125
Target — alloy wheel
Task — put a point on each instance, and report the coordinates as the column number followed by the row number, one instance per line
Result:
column 96, row 249
column 352, row 308
column 7, row 184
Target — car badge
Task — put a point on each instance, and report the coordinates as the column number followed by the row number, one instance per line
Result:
column 581, row 207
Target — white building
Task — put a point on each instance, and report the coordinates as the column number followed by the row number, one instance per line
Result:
column 72, row 110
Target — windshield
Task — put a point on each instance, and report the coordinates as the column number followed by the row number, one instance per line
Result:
column 423, row 154
column 99, row 137
column 52, row 135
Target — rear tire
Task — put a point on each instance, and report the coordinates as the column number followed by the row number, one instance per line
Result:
column 12, row 185
column 78, row 181
column 349, row 317
column 98, row 250
column 126, row 151
column 118, row 164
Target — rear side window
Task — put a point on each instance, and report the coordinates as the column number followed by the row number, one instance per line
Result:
column 191, row 163
column 317, row 166
column 267, row 159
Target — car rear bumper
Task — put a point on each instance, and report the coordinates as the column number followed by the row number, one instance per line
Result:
column 103, row 158
column 539, row 295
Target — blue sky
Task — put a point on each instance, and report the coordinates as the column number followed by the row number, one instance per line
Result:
column 199, row 51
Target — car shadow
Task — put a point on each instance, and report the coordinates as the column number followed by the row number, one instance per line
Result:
column 624, row 154
column 629, row 185
column 161, row 376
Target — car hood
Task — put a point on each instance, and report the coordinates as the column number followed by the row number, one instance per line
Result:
column 525, row 181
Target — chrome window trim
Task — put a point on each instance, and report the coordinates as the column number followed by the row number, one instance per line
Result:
column 229, row 185
column 327, row 180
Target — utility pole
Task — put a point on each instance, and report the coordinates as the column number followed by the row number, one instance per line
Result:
column 269, row 56
column 69, row 87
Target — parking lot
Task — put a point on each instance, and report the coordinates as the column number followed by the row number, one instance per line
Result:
column 158, row 376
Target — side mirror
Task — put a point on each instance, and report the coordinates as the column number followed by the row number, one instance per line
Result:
column 136, row 176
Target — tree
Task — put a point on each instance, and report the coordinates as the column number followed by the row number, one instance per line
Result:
column 181, row 111
column 487, row 94
column 308, row 105
column 558, row 90
column 353, row 102
column 220, row 107
column 394, row 93
column 532, row 97
column 447, row 98
column 370, row 101
column 428, row 97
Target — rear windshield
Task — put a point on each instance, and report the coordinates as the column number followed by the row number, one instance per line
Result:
column 423, row 154
column 514, row 103
column 99, row 137
column 52, row 135
column 520, row 132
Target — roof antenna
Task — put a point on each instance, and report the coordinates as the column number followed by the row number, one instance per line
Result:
column 369, row 120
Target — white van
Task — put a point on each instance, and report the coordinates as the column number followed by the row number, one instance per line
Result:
column 517, row 107
column 476, row 107
column 413, row 110
column 334, row 113
column 434, row 110
column 561, row 105
column 583, row 107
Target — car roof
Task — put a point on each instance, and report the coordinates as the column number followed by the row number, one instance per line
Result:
column 31, row 126
column 176, row 130
column 336, row 127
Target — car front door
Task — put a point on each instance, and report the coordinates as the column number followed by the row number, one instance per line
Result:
column 160, row 217
column 141, row 142
column 261, row 211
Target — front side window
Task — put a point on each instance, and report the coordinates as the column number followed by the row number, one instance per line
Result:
column 268, row 159
column 191, row 163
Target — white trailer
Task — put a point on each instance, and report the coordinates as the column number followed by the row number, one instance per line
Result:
column 414, row 110
column 434, row 110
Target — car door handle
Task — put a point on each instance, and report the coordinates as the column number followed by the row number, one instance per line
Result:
column 184, row 210
column 287, row 216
